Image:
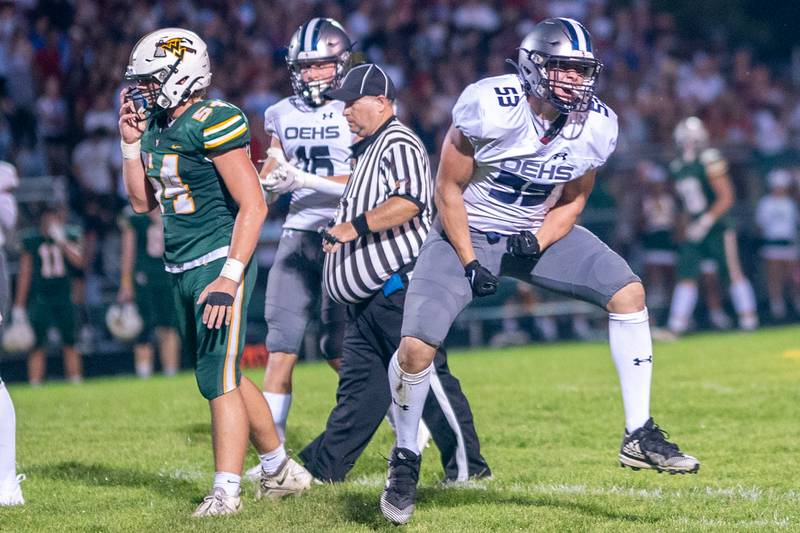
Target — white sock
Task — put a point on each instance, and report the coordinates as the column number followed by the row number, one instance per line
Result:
column 228, row 482
column 8, row 423
column 744, row 301
column 408, row 398
column 684, row 298
column 423, row 433
column 144, row 370
column 632, row 351
column 279, row 405
column 272, row 461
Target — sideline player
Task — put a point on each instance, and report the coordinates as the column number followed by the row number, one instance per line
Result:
column 190, row 157
column 143, row 280
column 516, row 170
column 706, row 195
column 313, row 134
column 52, row 255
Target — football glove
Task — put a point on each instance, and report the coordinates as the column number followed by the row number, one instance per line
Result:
column 285, row 177
column 524, row 244
column 697, row 230
column 483, row 282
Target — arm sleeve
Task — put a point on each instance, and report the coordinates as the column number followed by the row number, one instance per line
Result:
column 468, row 114
column 406, row 173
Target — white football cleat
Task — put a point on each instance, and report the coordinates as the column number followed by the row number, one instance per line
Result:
column 218, row 503
column 14, row 496
column 291, row 479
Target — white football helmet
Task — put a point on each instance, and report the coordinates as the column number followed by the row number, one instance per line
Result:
column 558, row 44
column 18, row 337
column 175, row 62
column 691, row 136
column 8, row 176
column 124, row 321
column 320, row 40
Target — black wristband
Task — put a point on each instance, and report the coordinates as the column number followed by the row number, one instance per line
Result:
column 360, row 224
column 219, row 298
column 472, row 265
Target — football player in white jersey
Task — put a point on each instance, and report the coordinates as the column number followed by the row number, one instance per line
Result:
column 308, row 156
column 517, row 167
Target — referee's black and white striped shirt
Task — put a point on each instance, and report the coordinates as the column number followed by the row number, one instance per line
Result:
column 390, row 162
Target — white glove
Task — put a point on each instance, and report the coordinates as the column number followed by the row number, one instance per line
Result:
column 57, row 233
column 697, row 230
column 285, row 177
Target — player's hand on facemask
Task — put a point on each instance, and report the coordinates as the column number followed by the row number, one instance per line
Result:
column 482, row 281
column 57, row 233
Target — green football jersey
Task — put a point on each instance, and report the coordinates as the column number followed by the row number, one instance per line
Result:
column 149, row 236
column 196, row 207
column 51, row 270
column 693, row 184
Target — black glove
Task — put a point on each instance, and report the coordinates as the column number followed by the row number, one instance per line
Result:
column 523, row 245
column 483, row 282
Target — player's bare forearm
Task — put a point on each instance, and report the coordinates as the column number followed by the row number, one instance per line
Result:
column 562, row 217
column 241, row 180
column 270, row 162
column 140, row 192
column 455, row 171
column 128, row 257
column 23, row 280
column 723, row 190
column 73, row 252
column 453, row 215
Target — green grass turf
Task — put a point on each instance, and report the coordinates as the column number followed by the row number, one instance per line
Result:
column 128, row 455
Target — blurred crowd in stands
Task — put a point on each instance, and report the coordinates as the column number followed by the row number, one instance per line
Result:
column 62, row 61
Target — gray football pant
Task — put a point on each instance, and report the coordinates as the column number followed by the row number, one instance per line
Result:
column 578, row 265
column 294, row 285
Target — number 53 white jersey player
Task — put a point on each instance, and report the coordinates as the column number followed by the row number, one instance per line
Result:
column 518, row 175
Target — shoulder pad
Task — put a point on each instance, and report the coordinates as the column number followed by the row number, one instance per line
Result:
column 713, row 160
column 222, row 126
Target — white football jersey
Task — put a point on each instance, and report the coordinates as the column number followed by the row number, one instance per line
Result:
column 517, row 178
column 316, row 140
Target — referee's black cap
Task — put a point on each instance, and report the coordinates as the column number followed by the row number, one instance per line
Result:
column 364, row 80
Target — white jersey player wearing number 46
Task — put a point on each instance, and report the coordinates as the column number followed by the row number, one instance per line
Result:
column 307, row 156
column 517, row 167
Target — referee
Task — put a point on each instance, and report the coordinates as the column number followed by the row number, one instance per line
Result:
column 383, row 218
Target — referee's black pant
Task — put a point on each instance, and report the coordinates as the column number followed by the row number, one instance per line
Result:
column 371, row 337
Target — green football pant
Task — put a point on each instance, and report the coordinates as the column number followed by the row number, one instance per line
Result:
column 215, row 352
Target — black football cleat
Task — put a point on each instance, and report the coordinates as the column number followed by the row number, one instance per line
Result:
column 648, row 447
column 397, row 499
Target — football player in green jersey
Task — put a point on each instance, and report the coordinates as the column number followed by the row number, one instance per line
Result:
column 144, row 281
column 706, row 195
column 189, row 156
column 52, row 255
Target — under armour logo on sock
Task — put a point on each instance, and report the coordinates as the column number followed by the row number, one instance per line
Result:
column 638, row 361
column 401, row 406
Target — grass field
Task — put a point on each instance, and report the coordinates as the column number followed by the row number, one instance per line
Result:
column 129, row 455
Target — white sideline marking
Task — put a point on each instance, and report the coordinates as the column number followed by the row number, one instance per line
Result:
column 737, row 493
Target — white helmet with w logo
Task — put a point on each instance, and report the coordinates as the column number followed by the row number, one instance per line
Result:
column 168, row 66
